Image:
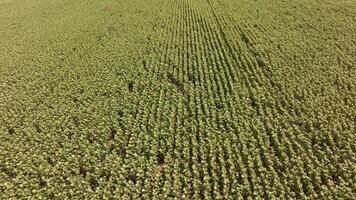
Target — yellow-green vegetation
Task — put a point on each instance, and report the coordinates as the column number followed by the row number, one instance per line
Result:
column 177, row 99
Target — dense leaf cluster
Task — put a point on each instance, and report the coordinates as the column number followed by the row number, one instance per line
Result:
column 203, row 99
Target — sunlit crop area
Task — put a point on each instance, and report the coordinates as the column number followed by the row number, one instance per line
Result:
column 177, row 99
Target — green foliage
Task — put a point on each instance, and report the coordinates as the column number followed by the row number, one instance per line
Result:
column 156, row 99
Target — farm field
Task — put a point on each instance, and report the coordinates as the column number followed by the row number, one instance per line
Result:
column 177, row 99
